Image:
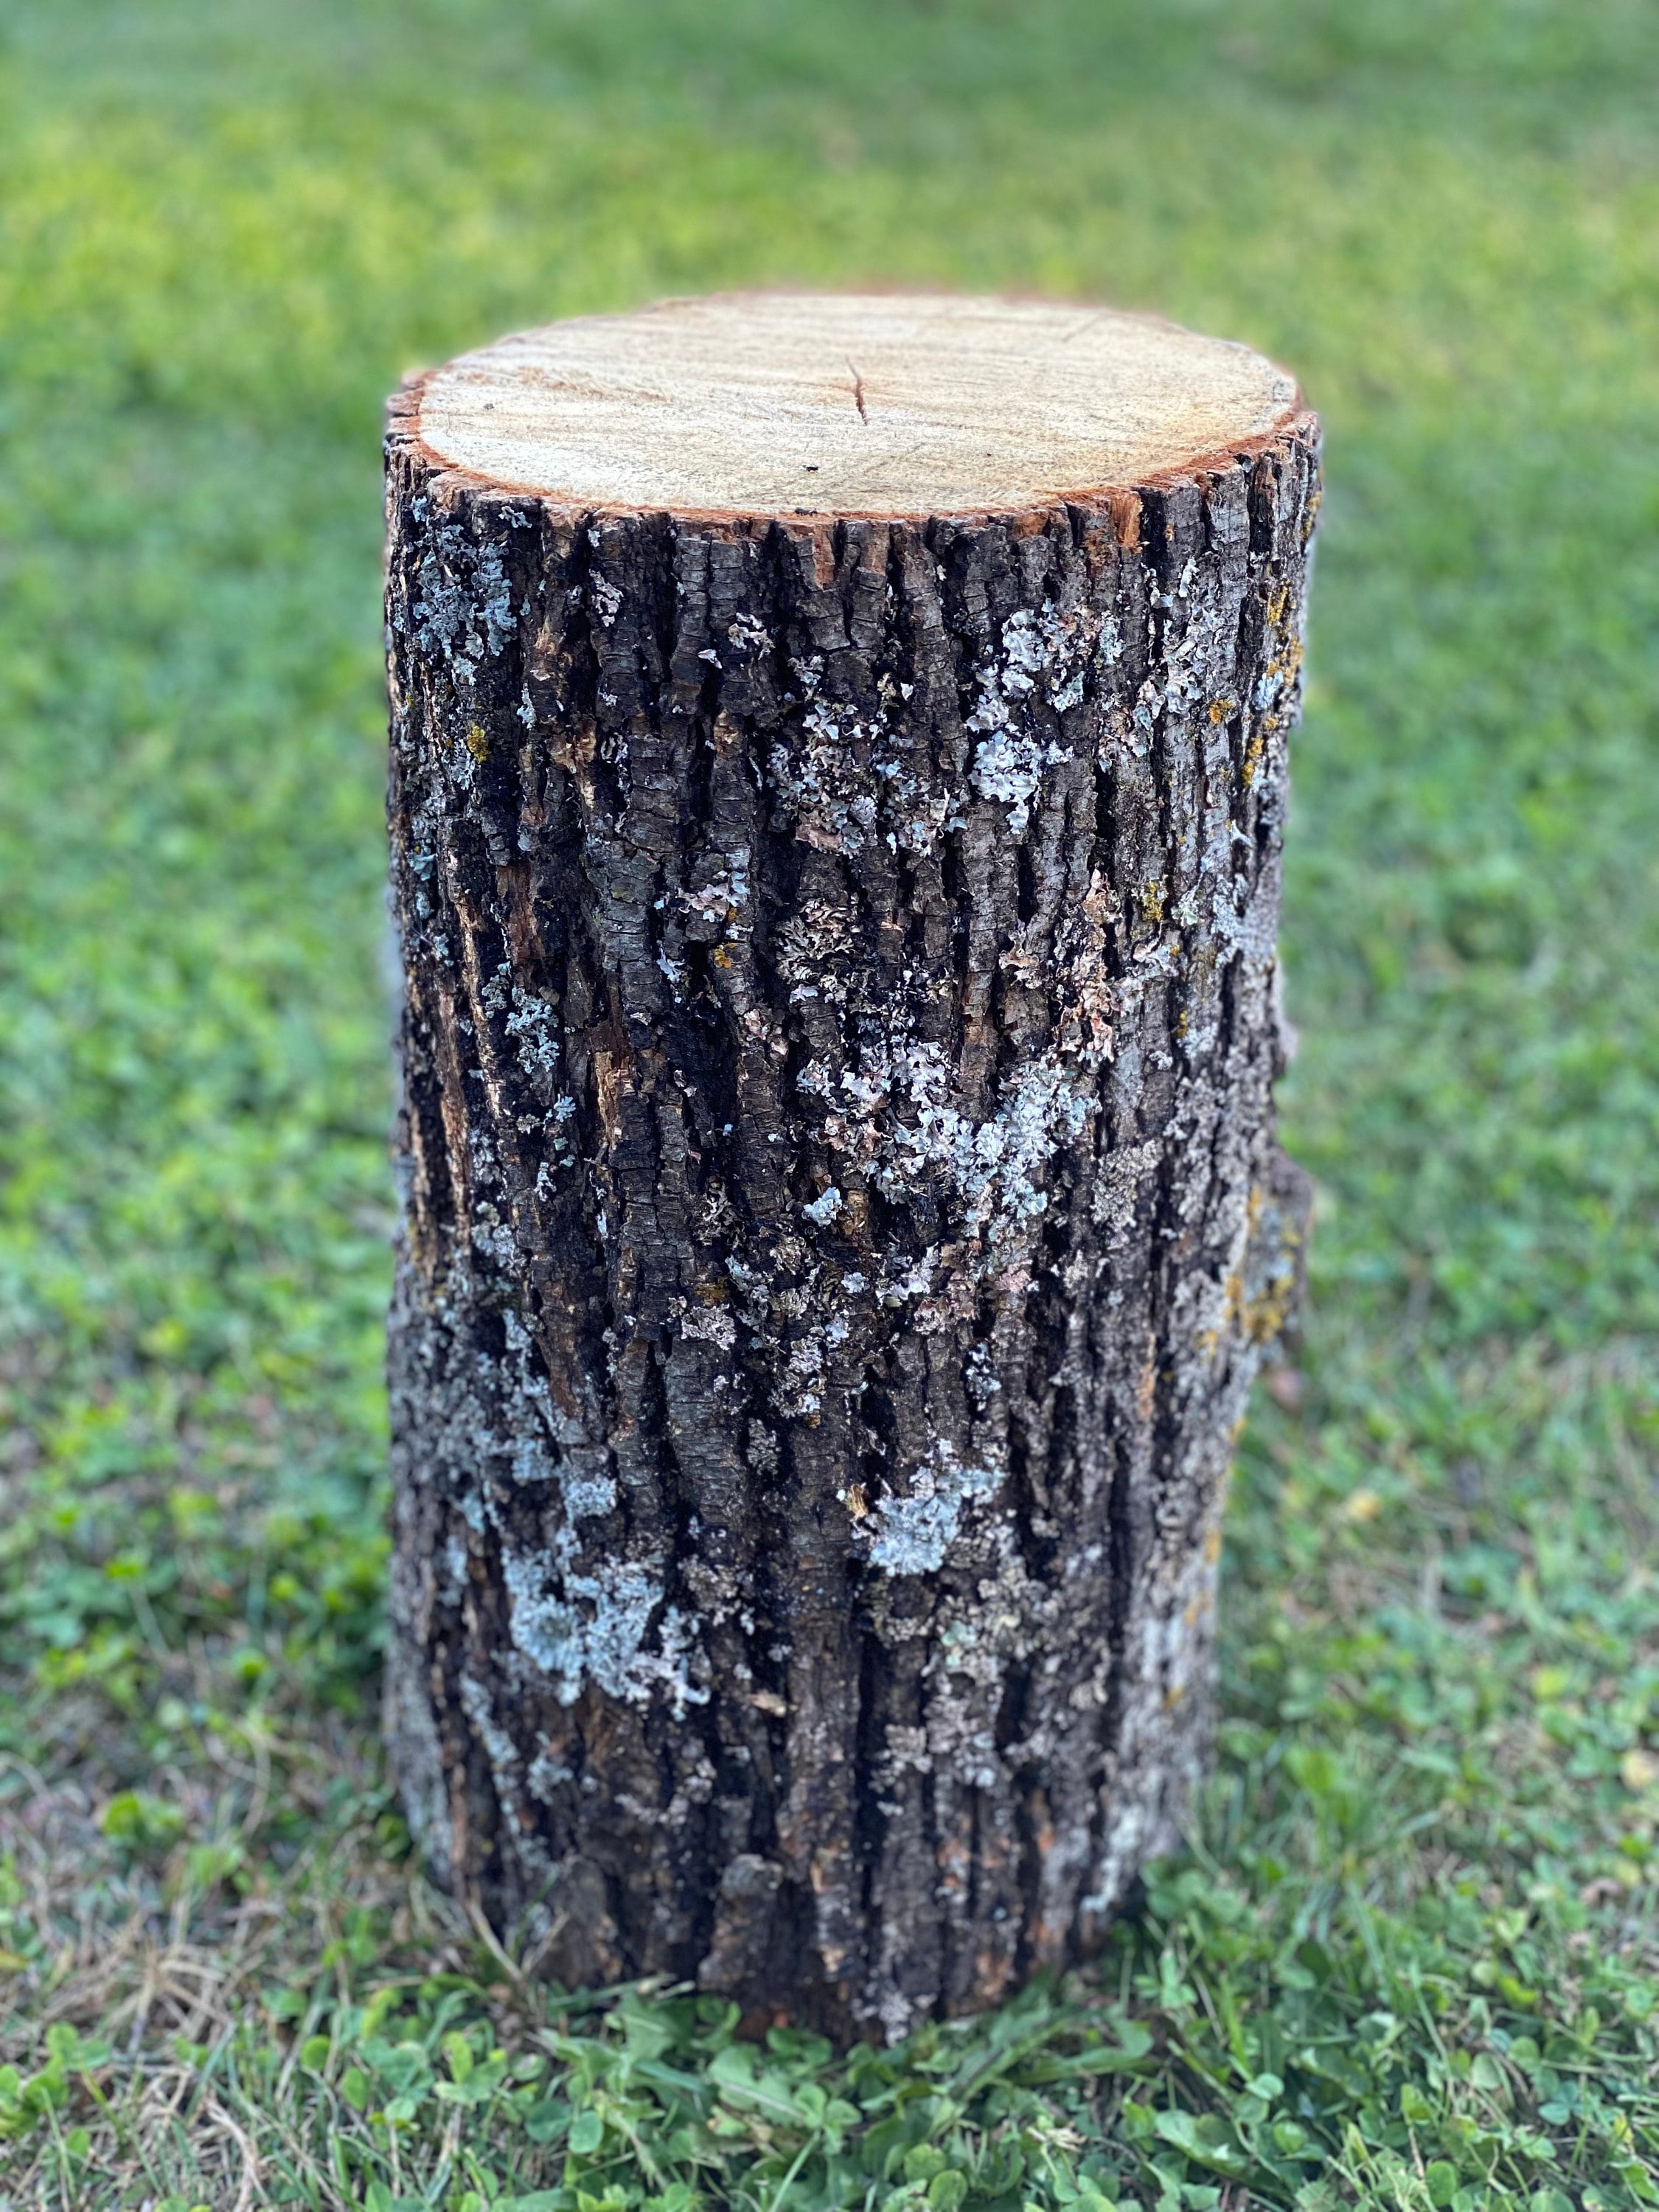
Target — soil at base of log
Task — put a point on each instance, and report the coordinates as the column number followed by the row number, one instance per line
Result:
column 842, row 1218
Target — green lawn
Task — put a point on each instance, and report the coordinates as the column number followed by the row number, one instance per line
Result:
column 1413, row 1959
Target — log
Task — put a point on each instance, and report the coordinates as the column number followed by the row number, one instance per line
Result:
column 837, row 781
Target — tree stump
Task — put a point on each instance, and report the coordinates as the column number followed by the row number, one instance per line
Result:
column 838, row 773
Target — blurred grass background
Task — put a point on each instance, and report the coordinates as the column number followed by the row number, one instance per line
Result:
column 1412, row 1959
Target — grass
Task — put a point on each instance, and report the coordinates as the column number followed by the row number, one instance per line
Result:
column 1411, row 1958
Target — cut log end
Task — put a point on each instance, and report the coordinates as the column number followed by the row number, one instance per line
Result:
column 856, row 406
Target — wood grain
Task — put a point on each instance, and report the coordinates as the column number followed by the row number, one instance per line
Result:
column 784, row 403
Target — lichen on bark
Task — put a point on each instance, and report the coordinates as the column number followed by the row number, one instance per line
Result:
column 841, row 1217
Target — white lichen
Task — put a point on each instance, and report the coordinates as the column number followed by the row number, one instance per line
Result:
column 534, row 1027
column 915, row 1531
column 898, row 1096
column 1044, row 659
column 579, row 1628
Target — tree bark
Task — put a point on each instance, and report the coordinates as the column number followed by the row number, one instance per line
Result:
column 841, row 1217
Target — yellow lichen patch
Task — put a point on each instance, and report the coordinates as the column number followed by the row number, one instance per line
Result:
column 1220, row 709
column 477, row 742
column 1272, row 1311
column 1260, row 1316
column 1233, row 1303
column 1253, row 753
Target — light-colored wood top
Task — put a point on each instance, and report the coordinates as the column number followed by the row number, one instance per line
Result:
column 784, row 403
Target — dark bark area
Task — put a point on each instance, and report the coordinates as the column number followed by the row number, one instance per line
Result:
column 841, row 1215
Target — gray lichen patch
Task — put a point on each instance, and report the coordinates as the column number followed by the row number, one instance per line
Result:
column 913, row 1531
column 613, row 1631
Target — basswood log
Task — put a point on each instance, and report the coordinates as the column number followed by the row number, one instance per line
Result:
column 838, row 784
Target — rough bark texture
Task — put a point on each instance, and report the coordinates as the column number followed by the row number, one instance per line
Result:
column 842, row 1216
